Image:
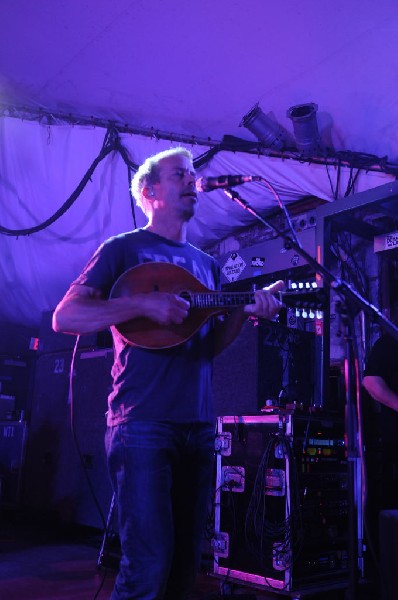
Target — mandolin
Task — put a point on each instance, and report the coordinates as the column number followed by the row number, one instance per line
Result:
column 204, row 303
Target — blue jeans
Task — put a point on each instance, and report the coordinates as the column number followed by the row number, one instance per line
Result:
column 162, row 475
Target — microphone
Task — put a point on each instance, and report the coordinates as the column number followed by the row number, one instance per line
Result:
column 207, row 184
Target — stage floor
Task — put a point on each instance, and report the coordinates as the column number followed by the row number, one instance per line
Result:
column 42, row 560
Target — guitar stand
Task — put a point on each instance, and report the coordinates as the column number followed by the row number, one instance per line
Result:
column 108, row 558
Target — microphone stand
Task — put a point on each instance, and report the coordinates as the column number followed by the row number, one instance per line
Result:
column 351, row 299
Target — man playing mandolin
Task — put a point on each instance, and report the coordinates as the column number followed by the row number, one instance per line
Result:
column 160, row 420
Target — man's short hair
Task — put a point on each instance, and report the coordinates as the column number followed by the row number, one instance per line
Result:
column 148, row 174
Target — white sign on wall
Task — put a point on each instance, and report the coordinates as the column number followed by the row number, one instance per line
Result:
column 233, row 267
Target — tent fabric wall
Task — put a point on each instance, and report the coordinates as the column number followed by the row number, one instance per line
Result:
column 41, row 165
column 217, row 217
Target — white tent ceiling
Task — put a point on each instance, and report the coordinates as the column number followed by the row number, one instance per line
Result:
column 198, row 67
column 186, row 69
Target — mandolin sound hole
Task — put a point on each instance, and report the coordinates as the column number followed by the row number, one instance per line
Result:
column 186, row 296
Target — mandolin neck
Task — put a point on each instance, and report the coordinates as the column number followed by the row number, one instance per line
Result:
column 219, row 300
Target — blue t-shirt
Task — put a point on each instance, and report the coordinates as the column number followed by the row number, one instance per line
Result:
column 172, row 384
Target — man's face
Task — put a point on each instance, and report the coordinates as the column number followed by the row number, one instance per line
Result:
column 175, row 192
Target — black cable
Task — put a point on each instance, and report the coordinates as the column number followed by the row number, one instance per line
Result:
column 338, row 179
column 82, row 462
column 105, row 150
column 75, row 438
column 361, row 161
column 350, row 269
column 204, row 158
column 132, row 202
column 260, row 527
column 334, row 191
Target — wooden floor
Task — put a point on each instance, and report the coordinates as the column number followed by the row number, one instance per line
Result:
column 52, row 561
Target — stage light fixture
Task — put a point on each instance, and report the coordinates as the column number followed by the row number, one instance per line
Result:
column 269, row 133
column 305, row 128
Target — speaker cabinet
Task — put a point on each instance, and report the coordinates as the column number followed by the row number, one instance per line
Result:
column 12, row 460
column 235, row 384
column 266, row 364
column 16, row 382
column 388, row 521
column 66, row 437
column 51, row 341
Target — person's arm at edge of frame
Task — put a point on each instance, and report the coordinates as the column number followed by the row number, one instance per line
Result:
column 380, row 391
column 266, row 306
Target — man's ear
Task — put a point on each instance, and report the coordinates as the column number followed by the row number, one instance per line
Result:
column 148, row 191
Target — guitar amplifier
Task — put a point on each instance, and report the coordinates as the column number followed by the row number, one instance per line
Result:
column 55, row 478
column 51, row 341
column 266, row 364
column 12, row 460
column 16, row 381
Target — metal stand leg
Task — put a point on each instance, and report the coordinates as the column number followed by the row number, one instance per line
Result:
column 104, row 558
